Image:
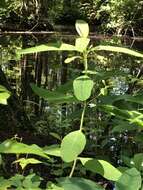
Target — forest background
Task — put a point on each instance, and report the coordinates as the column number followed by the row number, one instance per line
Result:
column 71, row 85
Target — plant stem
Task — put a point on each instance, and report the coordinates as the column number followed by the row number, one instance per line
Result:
column 85, row 62
column 73, row 168
column 83, row 111
column 81, row 127
column 82, row 116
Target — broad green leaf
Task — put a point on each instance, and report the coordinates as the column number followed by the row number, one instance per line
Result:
column 81, row 44
column 16, row 181
column 82, row 87
column 113, row 110
column 53, row 96
column 134, row 117
column 3, row 89
column 59, row 46
column 82, row 28
column 32, row 182
column 117, row 50
column 123, row 126
column 4, row 95
column 13, row 147
column 120, row 126
column 101, row 167
column 72, row 145
column 75, row 183
column 130, row 180
column 111, row 99
column 23, row 162
column 65, row 88
column 53, row 150
column 70, row 59
column 4, row 183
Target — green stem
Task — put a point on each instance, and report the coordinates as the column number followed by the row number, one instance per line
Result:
column 81, row 127
column 85, row 62
column 83, row 112
column 82, row 116
column 73, row 168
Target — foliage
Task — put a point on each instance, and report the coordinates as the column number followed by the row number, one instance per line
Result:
column 72, row 146
column 114, row 16
column 4, row 95
column 123, row 16
column 20, row 182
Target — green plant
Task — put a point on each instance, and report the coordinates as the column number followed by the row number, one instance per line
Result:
column 19, row 182
column 76, row 140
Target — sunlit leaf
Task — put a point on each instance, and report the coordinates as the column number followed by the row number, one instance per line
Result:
column 134, row 117
column 82, row 87
column 53, row 150
column 70, row 59
column 101, row 167
column 59, row 46
column 81, row 44
column 104, row 91
column 72, row 145
column 117, row 50
column 23, row 162
column 82, row 28
column 14, row 147
column 4, row 95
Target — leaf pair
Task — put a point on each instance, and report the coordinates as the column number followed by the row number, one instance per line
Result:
column 82, row 87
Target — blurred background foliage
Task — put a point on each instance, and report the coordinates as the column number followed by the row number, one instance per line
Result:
column 112, row 16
